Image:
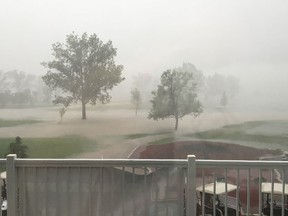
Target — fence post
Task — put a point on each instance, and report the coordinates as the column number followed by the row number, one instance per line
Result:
column 11, row 185
column 191, row 186
column 2, row 198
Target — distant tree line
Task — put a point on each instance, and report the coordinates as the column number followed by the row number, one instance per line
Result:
column 18, row 89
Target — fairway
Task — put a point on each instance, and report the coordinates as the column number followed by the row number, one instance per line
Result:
column 116, row 132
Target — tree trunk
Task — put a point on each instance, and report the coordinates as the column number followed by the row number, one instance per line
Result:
column 83, row 111
column 176, row 123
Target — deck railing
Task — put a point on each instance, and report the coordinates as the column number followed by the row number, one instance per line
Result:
column 37, row 187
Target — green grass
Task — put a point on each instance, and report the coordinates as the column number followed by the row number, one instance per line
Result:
column 222, row 134
column 140, row 135
column 69, row 146
column 58, row 147
column 239, row 133
column 163, row 141
column 136, row 136
column 246, row 125
column 12, row 123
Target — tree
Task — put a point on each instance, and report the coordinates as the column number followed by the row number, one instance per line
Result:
column 3, row 82
column 5, row 98
column 175, row 97
column 144, row 83
column 216, row 84
column 136, row 99
column 62, row 112
column 18, row 148
column 84, row 69
column 224, row 100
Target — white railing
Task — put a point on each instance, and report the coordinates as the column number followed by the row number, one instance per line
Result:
column 249, row 177
column 37, row 187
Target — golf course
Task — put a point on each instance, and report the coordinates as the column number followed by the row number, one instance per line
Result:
column 114, row 131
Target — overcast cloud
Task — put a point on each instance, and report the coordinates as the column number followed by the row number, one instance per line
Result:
column 246, row 38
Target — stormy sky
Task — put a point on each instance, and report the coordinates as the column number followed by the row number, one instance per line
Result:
column 246, row 39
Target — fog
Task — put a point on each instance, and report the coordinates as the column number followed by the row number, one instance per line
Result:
column 245, row 39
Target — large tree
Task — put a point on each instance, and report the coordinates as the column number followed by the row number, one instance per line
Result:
column 85, row 70
column 175, row 97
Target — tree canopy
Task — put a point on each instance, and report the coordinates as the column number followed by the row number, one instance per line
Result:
column 175, row 97
column 84, row 69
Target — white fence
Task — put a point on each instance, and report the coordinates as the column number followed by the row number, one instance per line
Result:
column 76, row 187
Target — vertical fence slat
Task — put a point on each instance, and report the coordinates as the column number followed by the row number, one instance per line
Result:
column 79, row 192
column 145, row 192
column 226, row 189
column 68, row 185
column 166, row 191
column 11, row 185
column 112, row 192
column 248, row 192
column 272, row 191
column 260, row 192
column 191, row 186
column 156, row 192
column 203, row 189
column 23, row 190
column 283, row 192
column 123, row 192
column 134, row 191
column 237, row 194
column 214, row 196
column 2, row 198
